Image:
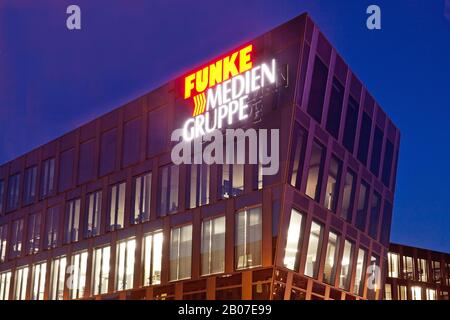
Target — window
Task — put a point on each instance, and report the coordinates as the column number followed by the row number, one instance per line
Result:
column 168, row 190
column 375, row 209
column 153, row 258
column 198, row 190
column 376, row 151
column 360, row 272
column 125, row 264
column 72, row 220
column 431, row 294
column 335, row 108
column 293, row 242
column 387, row 291
column 52, row 225
column 213, row 246
column 232, row 180
column 297, row 156
column 93, row 216
column 16, row 238
column 2, row 192
column 116, row 207
column 142, row 198
column 29, row 194
column 364, row 138
column 402, row 295
column 348, row 197
column 333, row 182
column 351, row 120
column 329, row 271
column 38, row 282
column 13, row 192
column 423, row 270
column 317, row 91
column 101, row 270
column 20, row 283
column 436, row 271
column 47, row 177
column 248, row 237
column 5, row 282
column 448, row 274
column 3, row 242
column 78, row 271
column 34, row 233
column 257, row 178
column 374, row 265
column 386, row 224
column 387, row 163
column 408, row 268
column 57, row 278
column 346, row 266
column 180, row 252
column 416, row 293
column 313, row 252
column 393, row 264
column 361, row 210
column 315, row 171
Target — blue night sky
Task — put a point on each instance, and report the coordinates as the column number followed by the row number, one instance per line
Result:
column 52, row 80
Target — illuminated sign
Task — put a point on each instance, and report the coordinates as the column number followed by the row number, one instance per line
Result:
column 220, row 91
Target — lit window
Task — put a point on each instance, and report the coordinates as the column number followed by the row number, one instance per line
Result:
column 436, row 271
column 346, row 266
column 13, row 192
column 416, row 293
column 248, row 236
column 423, row 270
column 314, row 248
column 180, row 252
column 431, row 294
column 198, row 191
column 361, row 210
column 402, row 294
column 142, row 198
column 34, row 233
column 232, row 180
column 101, row 270
column 360, row 272
column 20, row 283
column 448, row 273
column 168, row 190
column 52, row 226
column 94, row 210
column 117, row 207
column 294, row 234
column 30, row 185
column 315, row 173
column 72, row 220
column 393, row 264
column 213, row 246
column 329, row 271
column 57, row 278
column 5, row 282
column 153, row 258
column 78, row 271
column 38, row 283
column 125, row 264
column 333, row 182
column 16, row 238
column 374, row 265
column 348, row 197
column 408, row 268
column 47, row 177
column 387, row 291
column 3, row 242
